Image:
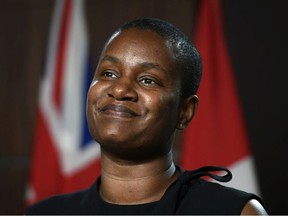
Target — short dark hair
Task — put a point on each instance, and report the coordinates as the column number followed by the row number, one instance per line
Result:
column 187, row 57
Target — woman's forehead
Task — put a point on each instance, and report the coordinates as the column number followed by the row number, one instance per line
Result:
column 145, row 44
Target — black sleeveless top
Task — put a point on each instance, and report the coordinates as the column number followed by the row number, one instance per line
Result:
column 189, row 194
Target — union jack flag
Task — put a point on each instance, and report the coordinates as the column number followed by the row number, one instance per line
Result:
column 65, row 157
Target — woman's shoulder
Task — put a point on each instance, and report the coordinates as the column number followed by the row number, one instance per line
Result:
column 200, row 196
column 60, row 204
column 216, row 198
column 232, row 199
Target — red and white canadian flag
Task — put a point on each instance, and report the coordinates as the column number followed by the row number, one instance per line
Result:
column 217, row 135
column 65, row 158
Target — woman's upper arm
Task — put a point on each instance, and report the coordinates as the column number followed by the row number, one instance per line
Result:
column 253, row 207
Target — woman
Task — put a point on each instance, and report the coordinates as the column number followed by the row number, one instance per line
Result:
column 144, row 89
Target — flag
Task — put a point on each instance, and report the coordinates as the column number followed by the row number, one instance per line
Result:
column 217, row 135
column 65, row 158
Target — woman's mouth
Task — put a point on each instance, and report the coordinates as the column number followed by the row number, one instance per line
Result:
column 118, row 111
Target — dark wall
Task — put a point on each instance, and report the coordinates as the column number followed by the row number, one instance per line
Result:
column 257, row 41
column 257, row 38
column 23, row 37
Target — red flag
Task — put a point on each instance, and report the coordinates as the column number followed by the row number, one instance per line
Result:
column 65, row 157
column 217, row 135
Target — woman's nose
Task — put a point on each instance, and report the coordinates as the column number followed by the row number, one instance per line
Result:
column 123, row 89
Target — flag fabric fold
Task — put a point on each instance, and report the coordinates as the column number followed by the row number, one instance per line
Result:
column 65, row 158
column 217, row 134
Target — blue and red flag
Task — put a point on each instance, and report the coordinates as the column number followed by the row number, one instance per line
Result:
column 65, row 157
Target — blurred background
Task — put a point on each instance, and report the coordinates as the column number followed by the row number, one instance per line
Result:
column 256, row 33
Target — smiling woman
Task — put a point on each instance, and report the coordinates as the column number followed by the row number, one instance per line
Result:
column 144, row 89
column 137, row 80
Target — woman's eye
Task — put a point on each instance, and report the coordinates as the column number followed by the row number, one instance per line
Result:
column 147, row 81
column 109, row 74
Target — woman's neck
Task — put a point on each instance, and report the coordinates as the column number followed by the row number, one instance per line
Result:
column 128, row 183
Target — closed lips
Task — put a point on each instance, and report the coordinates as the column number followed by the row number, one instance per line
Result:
column 118, row 110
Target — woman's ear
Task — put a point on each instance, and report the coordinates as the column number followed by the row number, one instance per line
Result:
column 188, row 109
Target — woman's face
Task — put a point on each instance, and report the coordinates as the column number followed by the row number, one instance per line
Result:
column 133, row 103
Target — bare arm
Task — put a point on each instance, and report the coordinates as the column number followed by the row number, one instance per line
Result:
column 253, row 207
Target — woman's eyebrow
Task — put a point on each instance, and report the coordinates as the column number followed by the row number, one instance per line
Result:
column 111, row 59
column 151, row 65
